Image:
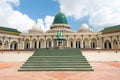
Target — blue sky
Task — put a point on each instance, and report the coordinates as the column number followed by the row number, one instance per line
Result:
column 22, row 14
column 40, row 9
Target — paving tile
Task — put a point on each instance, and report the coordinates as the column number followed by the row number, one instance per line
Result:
column 102, row 70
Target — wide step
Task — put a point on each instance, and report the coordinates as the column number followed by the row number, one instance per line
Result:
column 55, row 69
column 56, row 60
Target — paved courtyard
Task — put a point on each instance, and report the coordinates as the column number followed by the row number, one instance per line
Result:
column 106, row 67
column 102, row 70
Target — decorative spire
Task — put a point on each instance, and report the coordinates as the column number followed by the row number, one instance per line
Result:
column 59, row 9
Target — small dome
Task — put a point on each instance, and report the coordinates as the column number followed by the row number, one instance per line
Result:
column 84, row 28
column 60, row 19
column 36, row 28
column 60, row 35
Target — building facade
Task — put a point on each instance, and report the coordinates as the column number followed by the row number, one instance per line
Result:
column 11, row 39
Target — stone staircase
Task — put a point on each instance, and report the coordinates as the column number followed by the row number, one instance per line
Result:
column 56, row 60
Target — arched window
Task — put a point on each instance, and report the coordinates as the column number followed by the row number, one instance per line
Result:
column 77, row 44
column 71, row 43
column 34, row 44
column 39, row 44
column 27, row 44
column 115, row 44
column 14, row 45
column 93, row 43
column 107, row 44
column 0, row 43
column 48, row 43
column 86, row 43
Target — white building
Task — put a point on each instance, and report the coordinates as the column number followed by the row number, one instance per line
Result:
column 109, row 38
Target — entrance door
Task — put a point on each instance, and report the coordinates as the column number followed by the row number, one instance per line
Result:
column 13, row 45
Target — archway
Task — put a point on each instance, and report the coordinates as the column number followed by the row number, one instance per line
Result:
column 93, row 43
column 71, row 43
column 0, row 44
column 34, row 42
column 86, row 43
column 41, row 43
column 107, row 44
column 6, row 44
column 78, row 43
column 27, row 44
column 115, row 44
column 48, row 43
column 14, row 45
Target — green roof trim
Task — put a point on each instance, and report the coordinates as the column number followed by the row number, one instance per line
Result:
column 60, row 19
column 9, row 29
column 111, row 29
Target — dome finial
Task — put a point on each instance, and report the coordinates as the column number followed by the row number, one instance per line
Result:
column 59, row 9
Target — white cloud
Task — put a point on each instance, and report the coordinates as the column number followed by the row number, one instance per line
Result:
column 46, row 22
column 13, row 18
column 101, row 12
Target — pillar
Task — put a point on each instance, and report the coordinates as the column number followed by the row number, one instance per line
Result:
column 30, row 44
column 89, row 44
column 52, row 43
column 118, row 45
column 74, row 44
column 8, row 45
column 103, row 45
column 45, row 44
column 112, row 45
column 23, row 45
column 67, row 43
column 37, row 44
column 81, row 43
column 18, row 45
column 97, row 43
column 3, row 45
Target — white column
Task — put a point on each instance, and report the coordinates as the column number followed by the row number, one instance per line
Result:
column 97, row 43
column 103, row 45
column 8, row 45
column 23, row 45
column 3, row 45
column 52, row 43
column 18, row 46
column 81, row 43
column 89, row 43
column 30, row 43
column 37, row 44
column 74, row 44
column 118, row 45
column 112, row 45
column 67, row 43
column 45, row 44
column 13, row 46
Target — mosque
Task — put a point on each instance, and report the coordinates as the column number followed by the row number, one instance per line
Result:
column 60, row 34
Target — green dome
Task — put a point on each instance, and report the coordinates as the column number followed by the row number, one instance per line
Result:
column 60, row 19
column 60, row 35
